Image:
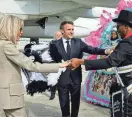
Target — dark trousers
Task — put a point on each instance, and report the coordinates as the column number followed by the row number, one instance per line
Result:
column 53, row 89
column 74, row 91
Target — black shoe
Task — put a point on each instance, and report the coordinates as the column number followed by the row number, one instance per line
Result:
column 52, row 96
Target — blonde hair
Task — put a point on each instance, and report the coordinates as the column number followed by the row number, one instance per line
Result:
column 9, row 27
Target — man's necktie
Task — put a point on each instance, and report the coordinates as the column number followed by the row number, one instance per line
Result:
column 68, row 49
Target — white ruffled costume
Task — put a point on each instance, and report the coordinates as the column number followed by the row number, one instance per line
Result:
column 52, row 78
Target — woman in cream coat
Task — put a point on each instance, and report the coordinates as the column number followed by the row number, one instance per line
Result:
column 11, row 61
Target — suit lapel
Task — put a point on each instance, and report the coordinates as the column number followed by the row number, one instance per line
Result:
column 62, row 50
column 72, row 47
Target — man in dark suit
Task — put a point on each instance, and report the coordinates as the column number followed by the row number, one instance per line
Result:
column 70, row 81
column 120, row 58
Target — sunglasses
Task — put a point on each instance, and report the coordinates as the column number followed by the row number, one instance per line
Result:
column 20, row 29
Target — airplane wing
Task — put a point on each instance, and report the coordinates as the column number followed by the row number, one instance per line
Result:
column 36, row 9
column 43, row 17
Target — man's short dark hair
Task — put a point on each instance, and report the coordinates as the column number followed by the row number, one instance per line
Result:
column 65, row 22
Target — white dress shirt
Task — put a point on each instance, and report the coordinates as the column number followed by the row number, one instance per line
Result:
column 65, row 43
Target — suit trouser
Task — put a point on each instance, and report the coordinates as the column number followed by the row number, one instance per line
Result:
column 19, row 112
column 53, row 89
column 63, row 92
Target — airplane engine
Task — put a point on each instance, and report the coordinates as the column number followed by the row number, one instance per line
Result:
column 50, row 29
column 46, row 27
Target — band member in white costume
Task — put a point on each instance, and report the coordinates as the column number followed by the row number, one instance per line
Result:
column 39, row 82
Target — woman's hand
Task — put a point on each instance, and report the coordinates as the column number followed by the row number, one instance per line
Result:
column 65, row 64
column 75, row 62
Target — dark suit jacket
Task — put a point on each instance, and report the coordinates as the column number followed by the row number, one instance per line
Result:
column 77, row 49
column 121, row 56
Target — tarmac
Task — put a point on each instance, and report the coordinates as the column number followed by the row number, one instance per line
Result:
column 39, row 105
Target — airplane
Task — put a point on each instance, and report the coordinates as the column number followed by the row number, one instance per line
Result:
column 43, row 17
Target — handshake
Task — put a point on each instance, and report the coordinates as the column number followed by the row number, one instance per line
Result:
column 73, row 63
